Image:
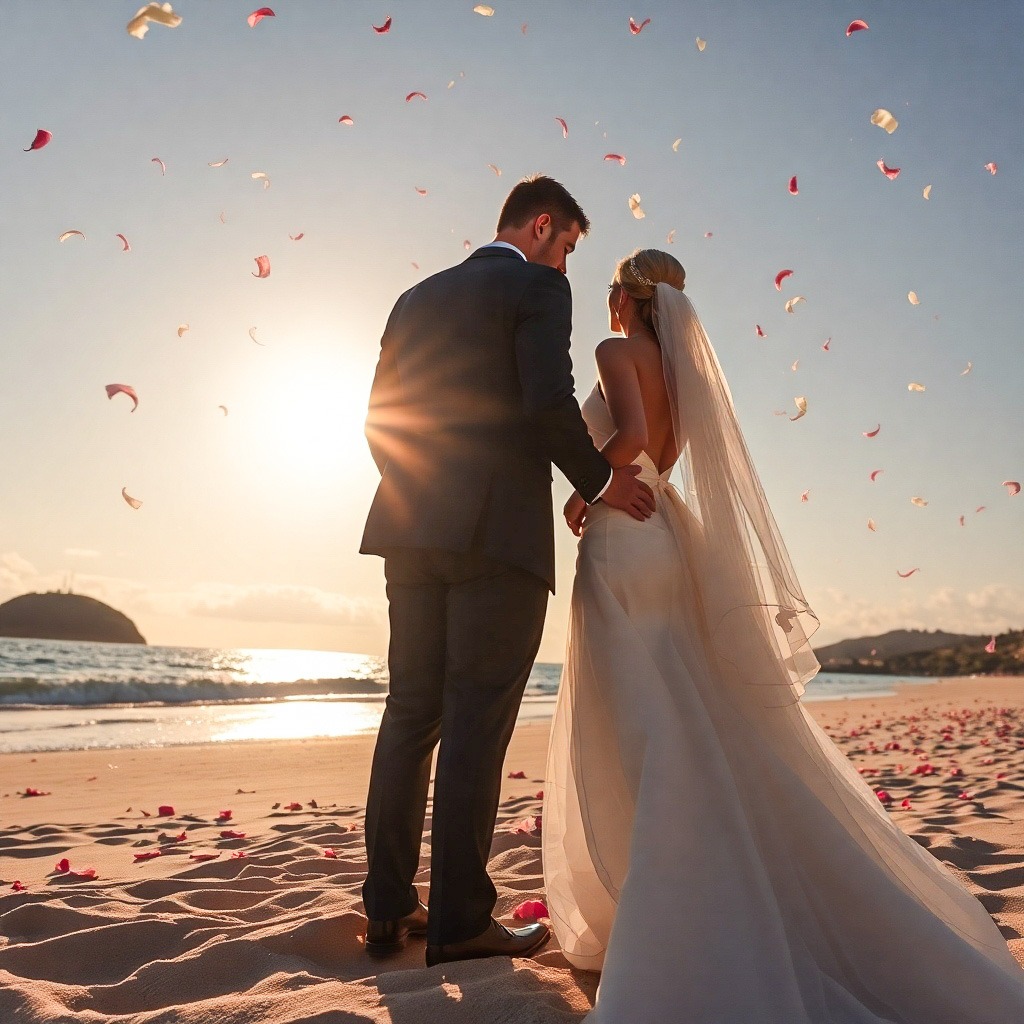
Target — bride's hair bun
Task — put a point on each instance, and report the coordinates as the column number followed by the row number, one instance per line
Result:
column 639, row 274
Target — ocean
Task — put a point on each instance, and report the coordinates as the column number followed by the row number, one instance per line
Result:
column 57, row 695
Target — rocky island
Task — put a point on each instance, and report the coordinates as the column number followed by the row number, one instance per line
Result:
column 59, row 616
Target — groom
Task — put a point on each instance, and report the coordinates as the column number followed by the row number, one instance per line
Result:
column 472, row 401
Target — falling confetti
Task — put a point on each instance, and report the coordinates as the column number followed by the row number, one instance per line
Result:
column 125, row 246
column 793, row 189
column 383, row 29
column 68, row 234
column 791, row 304
column 637, row 29
column 634, row 205
column 909, row 572
column 872, row 433
column 927, row 192
column 483, row 9
column 123, row 389
column 159, row 14
column 991, row 168
column 801, row 406
column 41, row 139
column 258, row 15
column 157, row 160
column 262, row 266
column 890, row 172
column 1012, row 487
column 780, row 277
column 565, row 127
column 701, row 43
column 415, row 95
column 919, row 502
column 616, row 156
column 856, row 26
column 913, row 299
column 884, row 119
column 134, row 502
column 914, row 386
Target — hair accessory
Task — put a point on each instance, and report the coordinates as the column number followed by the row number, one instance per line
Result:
column 640, row 277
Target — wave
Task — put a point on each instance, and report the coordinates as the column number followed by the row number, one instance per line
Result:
column 28, row 692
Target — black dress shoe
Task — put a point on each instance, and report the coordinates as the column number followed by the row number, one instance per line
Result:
column 385, row 938
column 497, row 940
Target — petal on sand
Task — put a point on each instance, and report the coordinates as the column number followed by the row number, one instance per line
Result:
column 298, row 237
column 146, row 855
column 262, row 266
column 856, row 26
column 41, row 139
column 805, row 496
column 517, row 775
column 420, row 191
column 565, row 127
column 1012, row 487
column 616, row 156
column 134, row 502
column 231, row 834
column 258, row 15
column 123, row 389
column 165, row 811
column 62, row 866
column 383, row 29
column 827, row 345
column 530, row 910
column 67, row 234
column 801, row 406
column 884, row 119
column 780, row 277
column 637, row 29
column 889, row 172
column 634, row 205
column 159, row 14
column 88, row 874
column 261, row 176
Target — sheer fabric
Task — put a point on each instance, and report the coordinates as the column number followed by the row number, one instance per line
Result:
column 706, row 846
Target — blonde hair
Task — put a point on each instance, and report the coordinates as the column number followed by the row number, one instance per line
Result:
column 638, row 273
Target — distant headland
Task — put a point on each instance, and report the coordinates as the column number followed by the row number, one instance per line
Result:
column 59, row 616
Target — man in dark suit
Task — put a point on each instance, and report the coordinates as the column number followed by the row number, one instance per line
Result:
column 472, row 401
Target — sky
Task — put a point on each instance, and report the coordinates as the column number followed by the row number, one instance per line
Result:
column 249, row 527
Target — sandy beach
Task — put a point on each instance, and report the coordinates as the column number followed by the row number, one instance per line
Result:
column 244, row 905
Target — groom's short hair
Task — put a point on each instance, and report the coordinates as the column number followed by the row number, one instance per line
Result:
column 540, row 194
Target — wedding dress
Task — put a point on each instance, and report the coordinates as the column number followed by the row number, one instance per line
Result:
column 706, row 846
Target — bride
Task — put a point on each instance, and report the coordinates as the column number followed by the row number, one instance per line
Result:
column 706, row 846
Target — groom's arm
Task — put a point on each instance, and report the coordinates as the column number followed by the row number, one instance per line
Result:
column 385, row 394
column 543, row 327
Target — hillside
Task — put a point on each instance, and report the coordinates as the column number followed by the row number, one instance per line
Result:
column 886, row 645
column 56, row 616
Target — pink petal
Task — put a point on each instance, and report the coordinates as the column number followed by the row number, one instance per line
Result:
column 229, row 834
column 793, row 190
column 330, row 852
column 827, row 344
column 875, row 472
column 565, row 127
column 62, row 866
column 413, row 95
column 238, row 854
column 760, row 333
column 1012, row 487
column 991, row 168
column 909, row 572
column 962, row 523
column 258, row 15
column 990, row 647
column 293, row 806
column 262, row 266
column 856, row 26
column 467, row 245
column 496, row 169
column 780, row 277
column 527, row 826
column 165, row 811
column 889, row 172
column 298, row 237
column 224, row 816
column 88, row 874
column 123, row 389
column 163, row 166
column 127, row 246
column 517, row 775
column 345, row 119
column 383, row 29
column 530, row 910
column 906, row 803
column 805, row 496
column 420, row 191
column 146, row 855
column 872, row 433
column 980, row 508
column 32, row 791
column 883, row 796
column 181, row 836
column 41, row 139
column 616, row 156
column 16, row 886
column 539, row 795
column 637, row 29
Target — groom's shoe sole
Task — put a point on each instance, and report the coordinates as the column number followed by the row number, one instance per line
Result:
column 497, row 940
column 386, row 938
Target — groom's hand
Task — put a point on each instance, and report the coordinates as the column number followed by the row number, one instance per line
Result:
column 629, row 494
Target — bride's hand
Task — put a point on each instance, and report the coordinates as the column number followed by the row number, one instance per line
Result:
column 575, row 513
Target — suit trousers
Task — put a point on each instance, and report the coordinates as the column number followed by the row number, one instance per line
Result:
column 465, row 630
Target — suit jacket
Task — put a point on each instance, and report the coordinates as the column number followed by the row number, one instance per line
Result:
column 472, row 400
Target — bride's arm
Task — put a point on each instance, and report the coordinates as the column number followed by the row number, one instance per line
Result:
column 621, row 388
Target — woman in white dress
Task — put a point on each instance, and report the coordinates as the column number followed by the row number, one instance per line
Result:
column 706, row 846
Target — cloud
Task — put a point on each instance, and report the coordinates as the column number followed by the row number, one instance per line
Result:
column 284, row 604
column 994, row 608
column 17, row 575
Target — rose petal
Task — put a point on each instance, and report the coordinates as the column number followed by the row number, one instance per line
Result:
column 670, row 237
column 889, row 172
column 293, row 806
column 261, row 176
column 123, row 389
column 298, row 237
column 159, row 14
column 420, row 191
column 530, row 910
column 913, row 299
column 962, row 521
column 871, row 526
column 636, row 29
column 759, row 332
column 67, row 234
column 414, row 95
column 675, row 145
column 134, row 502
column 517, row 775
column 967, row 369
column 565, row 127
column 634, row 205
column 1012, row 487
column 238, row 854
column 165, row 811
column 329, row 852
column 827, row 345
column 909, row 572
column 126, row 247
column 32, row 791
column 87, row 874
column 231, row 834
column 41, row 139
column 616, row 156
column 224, row 816
column 919, row 502
column 806, row 496
column 483, row 9
column 927, row 192
column 884, row 119
column 346, row 120
column 383, row 29
column 146, row 854
column 16, row 886
column 62, row 866
column 219, row 163
column 258, row 15
column 157, row 160
column 856, row 26
column 262, row 266
column 872, row 433
column 701, row 43
column 991, row 168
column 496, row 169
column 780, row 277
column 875, row 472
column 980, row 508
column 801, row 405
column 790, row 305
column 990, row 647
column 793, row 190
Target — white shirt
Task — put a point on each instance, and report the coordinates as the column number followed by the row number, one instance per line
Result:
column 508, row 245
